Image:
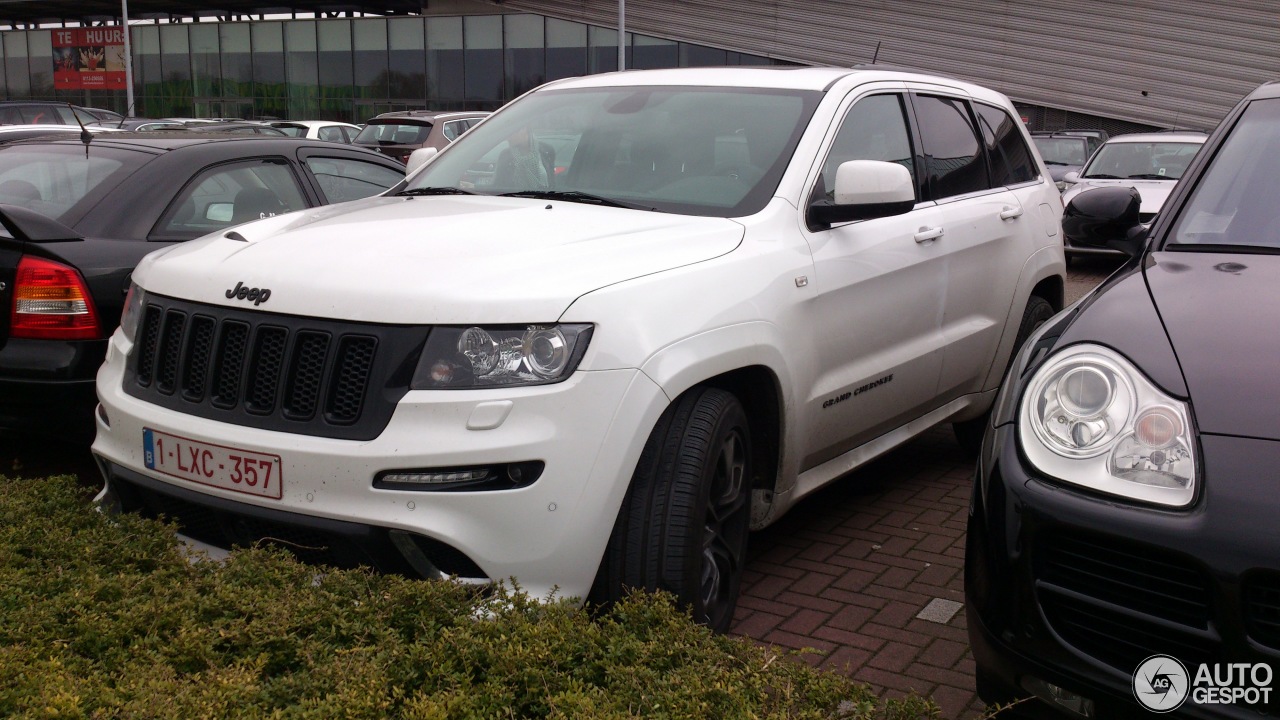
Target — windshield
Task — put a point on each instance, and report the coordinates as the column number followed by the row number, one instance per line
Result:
column 1062, row 151
column 1141, row 160
column 692, row 150
column 56, row 181
column 1234, row 202
column 392, row 133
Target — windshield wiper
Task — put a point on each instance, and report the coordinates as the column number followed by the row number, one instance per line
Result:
column 574, row 196
column 1102, row 177
column 1223, row 248
column 1151, row 176
column 1055, row 162
column 414, row 192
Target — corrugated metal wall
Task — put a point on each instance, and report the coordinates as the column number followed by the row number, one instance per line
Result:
column 1158, row 62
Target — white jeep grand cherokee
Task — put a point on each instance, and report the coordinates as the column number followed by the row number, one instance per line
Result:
column 597, row 338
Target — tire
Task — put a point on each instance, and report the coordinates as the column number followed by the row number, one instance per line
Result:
column 969, row 432
column 683, row 525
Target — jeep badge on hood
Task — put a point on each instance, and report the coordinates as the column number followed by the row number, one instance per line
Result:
column 255, row 295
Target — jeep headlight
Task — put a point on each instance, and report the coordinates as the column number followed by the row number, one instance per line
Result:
column 1090, row 418
column 134, row 301
column 477, row 357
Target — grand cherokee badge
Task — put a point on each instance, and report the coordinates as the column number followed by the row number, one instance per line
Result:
column 255, row 295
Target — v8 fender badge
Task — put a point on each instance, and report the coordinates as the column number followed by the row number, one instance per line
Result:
column 257, row 296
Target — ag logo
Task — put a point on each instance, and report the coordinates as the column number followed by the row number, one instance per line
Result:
column 1161, row 683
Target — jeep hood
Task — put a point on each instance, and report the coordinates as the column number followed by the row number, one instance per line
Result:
column 435, row 260
column 1220, row 311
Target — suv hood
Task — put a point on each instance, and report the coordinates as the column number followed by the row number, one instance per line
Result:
column 1219, row 311
column 435, row 260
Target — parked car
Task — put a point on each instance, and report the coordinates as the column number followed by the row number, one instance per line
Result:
column 137, row 124
column 13, row 133
column 232, row 128
column 1151, row 163
column 398, row 134
column 744, row 284
column 1124, row 506
column 1095, row 138
column 78, row 218
column 48, row 112
column 1062, row 154
column 318, row 130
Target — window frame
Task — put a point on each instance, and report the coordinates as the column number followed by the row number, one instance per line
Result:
column 318, row 154
column 1038, row 177
column 908, row 118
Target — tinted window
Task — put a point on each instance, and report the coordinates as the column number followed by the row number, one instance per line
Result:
column 874, row 129
column 231, row 194
column 292, row 130
column 1062, row 150
column 53, row 181
column 1234, row 201
column 953, row 155
column 1007, row 153
column 343, row 179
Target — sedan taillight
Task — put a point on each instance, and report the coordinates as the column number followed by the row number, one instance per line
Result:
column 52, row 302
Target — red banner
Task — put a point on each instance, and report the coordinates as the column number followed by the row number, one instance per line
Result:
column 88, row 58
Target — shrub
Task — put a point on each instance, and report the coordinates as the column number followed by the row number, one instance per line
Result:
column 106, row 617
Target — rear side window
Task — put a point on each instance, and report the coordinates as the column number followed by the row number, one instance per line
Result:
column 1007, row 153
column 393, row 134
column 331, row 133
column 343, row 179
column 226, row 195
column 952, row 153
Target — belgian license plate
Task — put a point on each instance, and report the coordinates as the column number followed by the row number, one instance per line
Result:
column 218, row 466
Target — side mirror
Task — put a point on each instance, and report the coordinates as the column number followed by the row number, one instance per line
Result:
column 865, row 189
column 1106, row 217
column 418, row 158
column 220, row 212
column 1071, row 177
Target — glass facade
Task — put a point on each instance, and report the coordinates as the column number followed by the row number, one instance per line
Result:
column 347, row 68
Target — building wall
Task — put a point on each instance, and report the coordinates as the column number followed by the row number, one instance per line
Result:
column 346, row 68
column 1166, row 63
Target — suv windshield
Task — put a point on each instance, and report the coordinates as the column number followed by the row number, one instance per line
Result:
column 1234, row 202
column 393, row 133
column 1141, row 160
column 691, row 150
column 1062, row 151
column 57, row 180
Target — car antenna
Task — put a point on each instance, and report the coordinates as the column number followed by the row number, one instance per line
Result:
column 86, row 137
column 875, row 54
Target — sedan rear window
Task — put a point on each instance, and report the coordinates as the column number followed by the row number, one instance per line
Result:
column 59, row 181
column 393, row 134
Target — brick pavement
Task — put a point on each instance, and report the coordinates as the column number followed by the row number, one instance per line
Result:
column 847, row 570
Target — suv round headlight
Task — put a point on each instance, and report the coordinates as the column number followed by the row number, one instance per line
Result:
column 1090, row 418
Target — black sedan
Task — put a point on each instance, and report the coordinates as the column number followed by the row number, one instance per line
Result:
column 1124, row 536
column 77, row 217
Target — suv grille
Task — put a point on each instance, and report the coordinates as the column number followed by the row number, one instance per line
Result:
column 1262, row 607
column 276, row 372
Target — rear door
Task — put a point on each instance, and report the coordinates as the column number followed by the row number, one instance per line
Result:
column 979, row 248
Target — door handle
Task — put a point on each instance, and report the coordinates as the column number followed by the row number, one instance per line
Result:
column 1010, row 213
column 926, row 234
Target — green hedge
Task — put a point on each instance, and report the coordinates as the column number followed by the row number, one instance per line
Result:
column 104, row 617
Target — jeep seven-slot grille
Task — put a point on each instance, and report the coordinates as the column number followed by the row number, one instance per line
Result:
column 277, row 372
